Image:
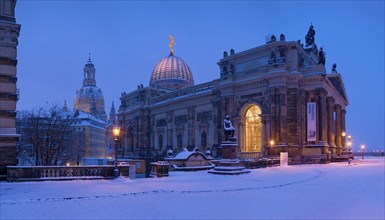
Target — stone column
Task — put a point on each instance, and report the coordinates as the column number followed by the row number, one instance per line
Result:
column 191, row 126
column 338, row 126
column 231, row 107
column 343, row 113
column 331, row 122
column 302, row 100
column 266, row 134
column 273, row 115
column 282, row 115
column 322, row 116
column 170, row 126
column 217, row 121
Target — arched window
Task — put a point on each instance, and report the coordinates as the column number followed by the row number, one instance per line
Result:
column 203, row 139
column 179, row 140
column 160, row 141
column 253, row 142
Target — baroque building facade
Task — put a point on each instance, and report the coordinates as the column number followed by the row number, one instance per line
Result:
column 9, row 33
column 277, row 93
column 90, row 114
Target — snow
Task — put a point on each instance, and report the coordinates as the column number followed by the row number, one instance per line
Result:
column 322, row 191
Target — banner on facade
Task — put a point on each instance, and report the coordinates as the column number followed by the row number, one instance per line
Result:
column 311, row 121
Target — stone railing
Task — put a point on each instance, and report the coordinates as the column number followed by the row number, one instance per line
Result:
column 248, row 155
column 41, row 173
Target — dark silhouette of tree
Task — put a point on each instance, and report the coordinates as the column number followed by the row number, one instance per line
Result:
column 50, row 133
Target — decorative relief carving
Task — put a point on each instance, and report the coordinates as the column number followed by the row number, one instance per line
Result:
column 205, row 116
column 161, row 122
column 282, row 53
column 180, row 120
column 301, row 60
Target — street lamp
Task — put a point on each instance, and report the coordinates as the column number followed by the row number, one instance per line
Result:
column 350, row 143
column 362, row 149
column 116, row 132
column 271, row 143
column 344, row 139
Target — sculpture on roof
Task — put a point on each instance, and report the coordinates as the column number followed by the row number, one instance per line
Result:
column 309, row 38
column 171, row 44
column 334, row 68
column 321, row 57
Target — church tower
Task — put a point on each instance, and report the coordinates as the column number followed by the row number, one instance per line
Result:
column 89, row 98
column 9, row 34
column 113, row 114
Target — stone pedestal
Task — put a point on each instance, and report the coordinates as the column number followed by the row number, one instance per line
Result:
column 229, row 150
column 229, row 164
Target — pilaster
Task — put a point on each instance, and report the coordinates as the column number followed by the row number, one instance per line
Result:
column 191, row 126
column 282, row 115
column 170, row 129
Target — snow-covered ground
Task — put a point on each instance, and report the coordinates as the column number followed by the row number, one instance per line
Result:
column 329, row 191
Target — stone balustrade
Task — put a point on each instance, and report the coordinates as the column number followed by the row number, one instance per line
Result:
column 41, row 173
column 248, row 155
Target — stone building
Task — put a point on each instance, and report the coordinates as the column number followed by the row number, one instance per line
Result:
column 279, row 92
column 90, row 114
column 9, row 34
column 89, row 98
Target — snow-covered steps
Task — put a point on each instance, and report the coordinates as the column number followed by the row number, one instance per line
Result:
column 229, row 167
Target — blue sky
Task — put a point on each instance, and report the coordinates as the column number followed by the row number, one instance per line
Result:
column 127, row 39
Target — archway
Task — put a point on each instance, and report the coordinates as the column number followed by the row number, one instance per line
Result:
column 253, row 129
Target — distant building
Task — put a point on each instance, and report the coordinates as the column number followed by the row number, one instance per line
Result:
column 89, row 98
column 279, row 97
column 94, row 134
column 90, row 114
column 9, row 34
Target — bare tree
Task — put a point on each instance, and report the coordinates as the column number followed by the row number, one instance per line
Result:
column 51, row 134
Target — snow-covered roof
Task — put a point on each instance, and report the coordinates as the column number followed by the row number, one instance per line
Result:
column 185, row 154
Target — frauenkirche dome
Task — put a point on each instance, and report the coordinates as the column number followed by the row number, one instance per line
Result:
column 90, row 98
column 171, row 72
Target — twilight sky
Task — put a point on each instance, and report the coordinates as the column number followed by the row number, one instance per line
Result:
column 127, row 39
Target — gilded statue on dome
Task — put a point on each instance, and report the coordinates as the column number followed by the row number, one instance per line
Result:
column 171, row 44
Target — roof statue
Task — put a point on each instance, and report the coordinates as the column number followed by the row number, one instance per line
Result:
column 321, row 57
column 171, row 44
column 334, row 68
column 309, row 38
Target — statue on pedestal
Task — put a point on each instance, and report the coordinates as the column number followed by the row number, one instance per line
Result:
column 228, row 128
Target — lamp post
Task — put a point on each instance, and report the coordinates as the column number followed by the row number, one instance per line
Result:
column 116, row 132
column 362, row 149
column 350, row 143
column 344, row 139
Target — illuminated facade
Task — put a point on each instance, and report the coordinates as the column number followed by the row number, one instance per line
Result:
column 89, row 98
column 266, row 91
column 90, row 115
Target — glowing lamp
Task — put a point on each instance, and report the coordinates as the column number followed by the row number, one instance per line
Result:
column 116, row 132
